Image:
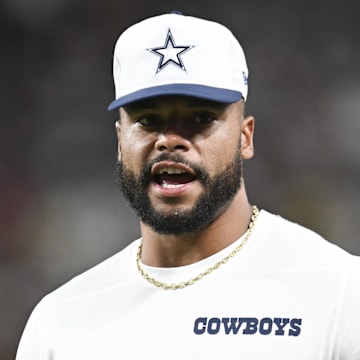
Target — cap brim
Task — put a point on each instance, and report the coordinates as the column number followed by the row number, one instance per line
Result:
column 194, row 90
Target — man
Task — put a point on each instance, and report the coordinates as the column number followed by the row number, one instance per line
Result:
column 212, row 276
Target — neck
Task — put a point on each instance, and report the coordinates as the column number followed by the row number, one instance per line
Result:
column 184, row 249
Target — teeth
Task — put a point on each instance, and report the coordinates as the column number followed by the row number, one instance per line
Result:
column 170, row 186
column 171, row 170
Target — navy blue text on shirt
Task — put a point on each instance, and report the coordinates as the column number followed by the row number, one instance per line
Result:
column 248, row 326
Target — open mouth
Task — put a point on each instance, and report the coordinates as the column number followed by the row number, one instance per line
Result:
column 173, row 176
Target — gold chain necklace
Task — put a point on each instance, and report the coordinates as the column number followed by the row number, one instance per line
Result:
column 181, row 285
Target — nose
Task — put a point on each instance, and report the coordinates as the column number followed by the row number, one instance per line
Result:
column 172, row 142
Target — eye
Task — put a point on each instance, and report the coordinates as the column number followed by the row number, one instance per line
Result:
column 203, row 119
column 148, row 120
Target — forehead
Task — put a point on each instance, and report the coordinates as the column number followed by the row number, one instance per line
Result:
column 160, row 102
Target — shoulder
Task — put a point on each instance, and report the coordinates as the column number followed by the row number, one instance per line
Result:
column 109, row 273
column 298, row 246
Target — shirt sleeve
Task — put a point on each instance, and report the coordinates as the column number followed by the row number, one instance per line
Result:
column 348, row 330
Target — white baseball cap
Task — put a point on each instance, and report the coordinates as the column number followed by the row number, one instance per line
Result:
column 174, row 54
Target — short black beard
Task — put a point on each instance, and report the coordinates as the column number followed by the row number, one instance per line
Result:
column 218, row 193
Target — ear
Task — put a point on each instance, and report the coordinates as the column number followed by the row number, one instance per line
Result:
column 247, row 137
column 118, row 132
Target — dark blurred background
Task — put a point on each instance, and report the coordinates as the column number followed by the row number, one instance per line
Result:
column 60, row 209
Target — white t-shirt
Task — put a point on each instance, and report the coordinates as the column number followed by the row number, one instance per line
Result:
column 287, row 295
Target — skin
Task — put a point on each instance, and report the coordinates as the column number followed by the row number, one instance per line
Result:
column 204, row 133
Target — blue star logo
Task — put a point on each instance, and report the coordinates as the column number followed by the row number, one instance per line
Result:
column 170, row 53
